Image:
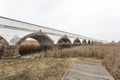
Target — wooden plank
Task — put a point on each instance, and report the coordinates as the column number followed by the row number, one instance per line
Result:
column 80, row 70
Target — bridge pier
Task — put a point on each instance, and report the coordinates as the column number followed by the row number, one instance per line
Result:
column 11, row 51
column 46, row 47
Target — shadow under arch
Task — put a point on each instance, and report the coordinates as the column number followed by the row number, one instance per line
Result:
column 64, row 42
column 44, row 40
column 84, row 41
column 92, row 42
column 89, row 42
column 40, row 37
column 77, row 42
column 3, row 42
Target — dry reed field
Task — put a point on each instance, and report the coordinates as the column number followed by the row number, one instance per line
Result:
column 107, row 54
column 28, row 47
column 37, row 69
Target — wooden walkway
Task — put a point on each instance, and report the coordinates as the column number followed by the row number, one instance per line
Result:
column 87, row 71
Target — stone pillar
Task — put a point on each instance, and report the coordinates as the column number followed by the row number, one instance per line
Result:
column 11, row 51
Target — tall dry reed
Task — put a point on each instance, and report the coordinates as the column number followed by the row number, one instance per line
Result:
column 110, row 53
column 28, row 47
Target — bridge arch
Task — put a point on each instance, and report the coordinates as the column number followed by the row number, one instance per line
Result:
column 84, row 41
column 3, row 41
column 40, row 37
column 64, row 42
column 89, row 42
column 92, row 42
column 77, row 42
column 44, row 41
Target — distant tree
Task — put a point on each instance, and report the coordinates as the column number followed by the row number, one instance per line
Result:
column 15, row 39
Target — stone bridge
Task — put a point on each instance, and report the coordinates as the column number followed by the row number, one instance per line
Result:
column 14, row 32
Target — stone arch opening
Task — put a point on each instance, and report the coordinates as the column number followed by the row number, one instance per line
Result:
column 92, row 42
column 64, row 42
column 89, row 42
column 3, row 42
column 84, row 41
column 28, row 46
column 44, row 41
column 77, row 42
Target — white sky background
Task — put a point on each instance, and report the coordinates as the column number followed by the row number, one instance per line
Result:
column 98, row 19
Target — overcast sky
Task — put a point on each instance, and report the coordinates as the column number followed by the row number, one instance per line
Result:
column 99, row 19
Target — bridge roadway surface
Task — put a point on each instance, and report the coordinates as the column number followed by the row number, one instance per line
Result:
column 80, row 70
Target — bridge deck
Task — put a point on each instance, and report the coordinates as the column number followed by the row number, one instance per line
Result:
column 87, row 71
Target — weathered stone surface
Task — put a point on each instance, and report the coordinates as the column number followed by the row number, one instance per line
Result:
column 11, row 51
column 3, row 41
column 87, row 71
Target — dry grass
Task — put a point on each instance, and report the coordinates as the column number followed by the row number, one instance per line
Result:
column 109, row 54
column 28, row 47
column 112, row 62
column 37, row 69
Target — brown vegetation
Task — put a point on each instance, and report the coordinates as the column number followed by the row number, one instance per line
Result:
column 108, row 53
column 28, row 47
column 37, row 69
